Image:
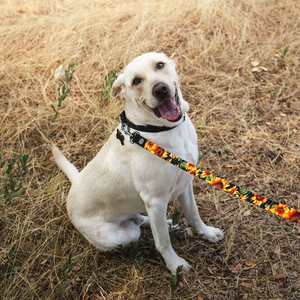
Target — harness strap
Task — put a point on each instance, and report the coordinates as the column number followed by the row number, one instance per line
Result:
column 279, row 209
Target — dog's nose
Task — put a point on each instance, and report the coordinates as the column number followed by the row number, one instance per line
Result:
column 161, row 91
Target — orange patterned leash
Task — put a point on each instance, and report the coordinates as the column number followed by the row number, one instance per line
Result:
column 279, row 209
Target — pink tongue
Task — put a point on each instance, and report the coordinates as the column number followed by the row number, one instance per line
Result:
column 169, row 110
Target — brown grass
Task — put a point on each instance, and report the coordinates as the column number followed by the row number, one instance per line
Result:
column 247, row 124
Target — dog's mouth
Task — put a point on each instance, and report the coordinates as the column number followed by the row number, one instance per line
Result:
column 169, row 109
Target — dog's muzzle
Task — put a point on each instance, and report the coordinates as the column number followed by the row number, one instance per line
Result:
column 169, row 108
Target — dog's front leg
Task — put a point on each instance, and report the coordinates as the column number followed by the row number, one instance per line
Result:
column 189, row 207
column 156, row 210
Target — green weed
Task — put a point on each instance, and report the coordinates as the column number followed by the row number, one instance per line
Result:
column 108, row 83
column 132, row 252
column 15, row 170
column 282, row 57
column 62, row 95
column 64, row 274
column 174, row 228
column 140, row 261
column 176, row 279
column 285, row 51
column 273, row 93
column 200, row 157
column 10, row 263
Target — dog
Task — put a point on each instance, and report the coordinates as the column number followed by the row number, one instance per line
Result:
column 123, row 180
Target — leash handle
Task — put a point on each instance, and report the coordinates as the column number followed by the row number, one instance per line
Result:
column 279, row 209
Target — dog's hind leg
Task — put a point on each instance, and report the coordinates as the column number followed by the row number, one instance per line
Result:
column 144, row 220
column 107, row 236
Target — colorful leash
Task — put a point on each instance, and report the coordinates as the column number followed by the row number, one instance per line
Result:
column 279, row 209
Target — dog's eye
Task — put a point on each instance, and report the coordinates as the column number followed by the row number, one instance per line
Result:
column 136, row 81
column 160, row 65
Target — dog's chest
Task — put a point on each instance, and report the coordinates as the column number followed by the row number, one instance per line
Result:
column 188, row 152
column 162, row 177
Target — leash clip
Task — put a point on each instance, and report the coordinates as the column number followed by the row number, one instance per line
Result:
column 125, row 129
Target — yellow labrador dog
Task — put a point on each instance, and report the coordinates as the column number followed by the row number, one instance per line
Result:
column 124, row 180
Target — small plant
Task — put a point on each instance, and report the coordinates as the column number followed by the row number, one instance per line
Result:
column 176, row 279
column 200, row 157
column 282, row 56
column 10, row 263
column 286, row 50
column 174, row 228
column 64, row 274
column 140, row 261
column 15, row 170
column 107, row 85
column 62, row 95
column 131, row 252
column 273, row 93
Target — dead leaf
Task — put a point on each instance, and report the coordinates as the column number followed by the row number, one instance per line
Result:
column 235, row 269
column 245, row 296
column 210, row 271
column 189, row 232
column 291, row 158
column 256, row 69
column 280, row 276
column 264, row 69
column 249, row 265
column 277, row 249
column 254, row 63
column 247, row 213
column 77, row 268
column 225, row 283
column 247, row 284
column 199, row 297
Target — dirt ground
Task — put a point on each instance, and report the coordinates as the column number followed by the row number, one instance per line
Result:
column 238, row 63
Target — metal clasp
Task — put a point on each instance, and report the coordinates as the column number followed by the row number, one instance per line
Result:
column 125, row 128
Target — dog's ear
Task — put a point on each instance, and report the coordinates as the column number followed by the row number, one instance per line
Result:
column 118, row 87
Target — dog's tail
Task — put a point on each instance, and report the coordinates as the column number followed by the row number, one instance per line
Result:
column 68, row 168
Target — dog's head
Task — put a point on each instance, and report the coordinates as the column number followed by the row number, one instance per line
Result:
column 150, row 86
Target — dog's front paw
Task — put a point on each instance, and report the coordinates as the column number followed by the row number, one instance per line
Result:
column 212, row 234
column 179, row 262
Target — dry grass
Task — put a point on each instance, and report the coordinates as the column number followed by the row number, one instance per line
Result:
column 247, row 123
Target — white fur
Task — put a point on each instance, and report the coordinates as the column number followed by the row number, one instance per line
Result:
column 107, row 196
column 69, row 169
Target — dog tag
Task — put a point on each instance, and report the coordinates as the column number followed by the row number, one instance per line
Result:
column 120, row 137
